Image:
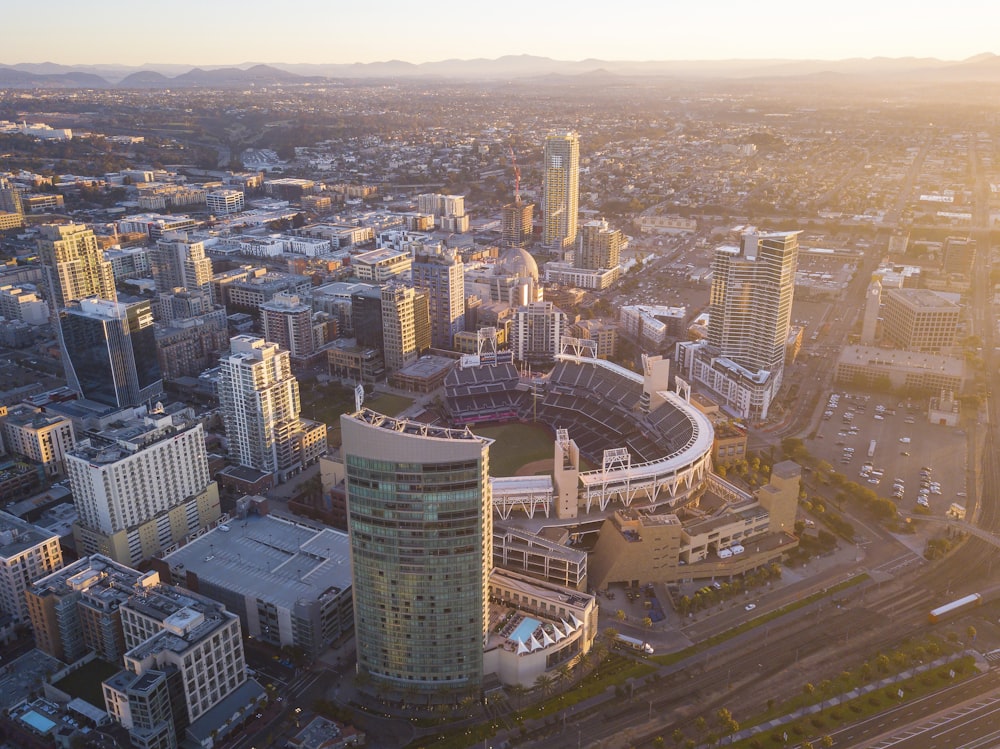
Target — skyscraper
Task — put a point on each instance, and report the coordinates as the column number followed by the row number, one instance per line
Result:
column 259, row 397
column 441, row 272
column 179, row 262
column 560, row 189
column 743, row 359
column 77, row 268
column 600, row 246
column 110, row 352
column 515, row 224
column 751, row 299
column 421, row 525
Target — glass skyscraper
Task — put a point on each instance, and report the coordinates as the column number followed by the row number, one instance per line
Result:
column 560, row 190
column 421, row 526
column 111, row 352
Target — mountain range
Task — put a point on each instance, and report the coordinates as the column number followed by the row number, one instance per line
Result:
column 980, row 68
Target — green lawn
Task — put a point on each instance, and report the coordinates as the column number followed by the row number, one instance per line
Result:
column 516, row 444
column 389, row 404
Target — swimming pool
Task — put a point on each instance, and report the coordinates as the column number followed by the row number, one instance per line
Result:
column 38, row 722
column 524, row 629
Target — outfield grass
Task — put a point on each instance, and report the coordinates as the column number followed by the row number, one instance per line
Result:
column 515, row 445
column 389, row 404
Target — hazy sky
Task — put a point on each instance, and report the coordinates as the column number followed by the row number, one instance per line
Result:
column 218, row 32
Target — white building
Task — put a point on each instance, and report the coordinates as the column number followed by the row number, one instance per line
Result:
column 259, row 397
column 27, row 553
column 185, row 652
column 224, row 202
column 141, row 487
column 537, row 331
column 381, row 265
column 18, row 303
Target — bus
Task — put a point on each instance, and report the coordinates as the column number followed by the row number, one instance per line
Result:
column 871, row 449
column 632, row 643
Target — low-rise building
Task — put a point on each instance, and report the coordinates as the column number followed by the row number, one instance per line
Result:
column 868, row 366
column 289, row 581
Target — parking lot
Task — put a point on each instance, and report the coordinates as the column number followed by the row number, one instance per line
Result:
column 905, row 443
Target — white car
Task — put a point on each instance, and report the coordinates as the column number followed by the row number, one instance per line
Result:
column 750, row 606
column 905, row 440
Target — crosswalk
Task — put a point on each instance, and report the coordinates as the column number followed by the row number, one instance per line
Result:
column 900, row 563
column 993, row 656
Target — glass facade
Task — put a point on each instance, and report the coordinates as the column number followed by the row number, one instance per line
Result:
column 421, row 538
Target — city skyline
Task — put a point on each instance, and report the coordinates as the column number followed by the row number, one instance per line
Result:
column 720, row 31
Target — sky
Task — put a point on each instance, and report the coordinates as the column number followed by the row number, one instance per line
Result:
column 225, row 32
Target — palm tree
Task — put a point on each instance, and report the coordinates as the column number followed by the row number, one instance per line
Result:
column 543, row 682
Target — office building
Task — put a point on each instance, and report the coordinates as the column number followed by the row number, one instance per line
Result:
column 420, row 590
column 11, row 206
column 560, row 190
column 440, row 272
column 76, row 266
column 905, row 371
column 599, row 246
column 515, row 224
column 177, row 262
column 287, row 321
column 43, row 438
column 224, row 202
column 365, row 316
column 919, row 320
column 110, row 352
column 959, row 256
column 75, row 610
column 141, row 486
column 27, row 553
column 382, row 265
column 259, row 398
column 184, row 680
column 536, row 332
column 289, row 581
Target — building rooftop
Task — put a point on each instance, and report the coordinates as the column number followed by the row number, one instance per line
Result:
column 923, row 299
column 17, row 536
column 270, row 558
column 101, row 578
column 186, row 617
column 390, row 423
column 129, row 436
column 911, row 360
column 25, row 416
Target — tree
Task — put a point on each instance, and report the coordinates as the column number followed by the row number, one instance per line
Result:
column 701, row 724
column 647, row 622
column 882, row 663
column 808, row 688
column 826, row 742
column 543, row 682
column 620, row 615
column 677, row 736
column 971, row 633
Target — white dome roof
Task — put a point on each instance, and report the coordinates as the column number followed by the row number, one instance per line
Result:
column 517, row 263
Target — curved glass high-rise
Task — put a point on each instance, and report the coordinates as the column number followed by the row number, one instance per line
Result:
column 421, row 527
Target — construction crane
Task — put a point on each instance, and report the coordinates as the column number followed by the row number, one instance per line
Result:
column 517, row 177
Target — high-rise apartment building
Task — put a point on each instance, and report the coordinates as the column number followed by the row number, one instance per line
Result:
column 537, row 331
column 142, row 486
column 441, row 272
column 180, row 263
column 420, row 519
column 448, row 211
column 76, row 266
column 751, row 299
column 600, row 246
column 743, row 359
column 27, row 553
column 259, row 397
column 11, row 206
column 110, row 352
column 76, row 610
column 515, row 224
column 399, row 338
column 287, row 321
column 560, row 190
